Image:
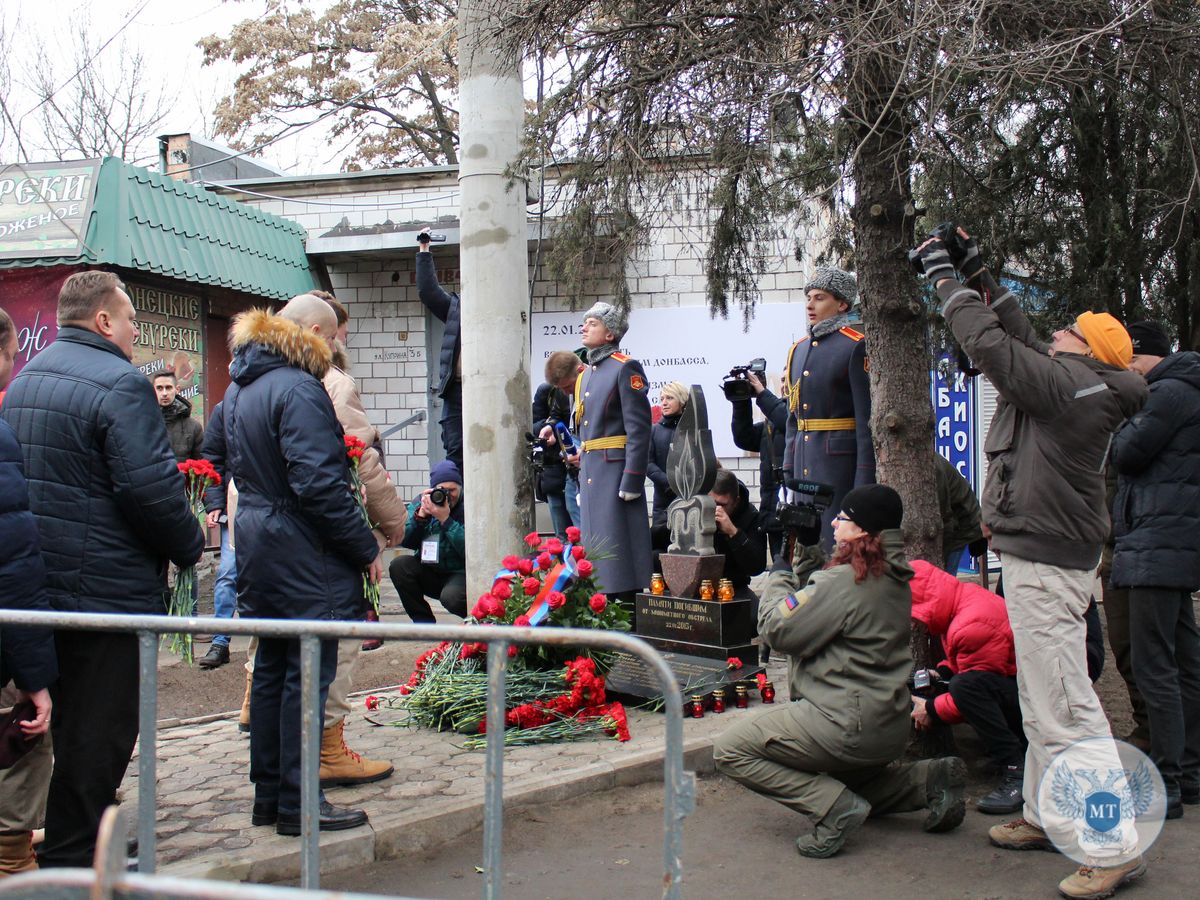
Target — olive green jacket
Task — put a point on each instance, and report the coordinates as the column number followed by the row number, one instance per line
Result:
column 848, row 649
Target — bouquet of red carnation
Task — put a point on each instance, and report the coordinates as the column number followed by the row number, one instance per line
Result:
column 354, row 452
column 199, row 475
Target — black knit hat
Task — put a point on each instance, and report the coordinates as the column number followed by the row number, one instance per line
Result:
column 1149, row 339
column 873, row 508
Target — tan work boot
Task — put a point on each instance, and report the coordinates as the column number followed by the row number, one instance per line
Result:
column 244, row 715
column 1020, row 835
column 16, row 853
column 1094, row 882
column 342, row 766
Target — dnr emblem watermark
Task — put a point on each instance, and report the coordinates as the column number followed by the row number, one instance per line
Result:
column 1102, row 800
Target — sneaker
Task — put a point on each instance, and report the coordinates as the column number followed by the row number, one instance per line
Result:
column 1094, row 882
column 1020, row 835
column 845, row 817
column 944, row 784
column 1006, row 798
column 217, row 656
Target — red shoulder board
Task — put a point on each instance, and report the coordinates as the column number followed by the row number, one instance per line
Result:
column 621, row 357
column 851, row 333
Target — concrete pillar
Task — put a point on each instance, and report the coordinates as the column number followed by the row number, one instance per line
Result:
column 495, row 307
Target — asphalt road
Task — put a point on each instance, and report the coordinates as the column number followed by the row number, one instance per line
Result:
column 737, row 844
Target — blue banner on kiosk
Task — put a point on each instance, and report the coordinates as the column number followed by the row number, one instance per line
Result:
column 954, row 411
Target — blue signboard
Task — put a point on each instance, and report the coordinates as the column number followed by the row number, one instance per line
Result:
column 955, row 399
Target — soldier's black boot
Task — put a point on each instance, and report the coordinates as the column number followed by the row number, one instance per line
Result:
column 845, row 817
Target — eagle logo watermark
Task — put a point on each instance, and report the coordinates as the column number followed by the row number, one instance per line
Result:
column 1101, row 799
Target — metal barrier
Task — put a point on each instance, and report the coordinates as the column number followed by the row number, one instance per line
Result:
column 679, row 786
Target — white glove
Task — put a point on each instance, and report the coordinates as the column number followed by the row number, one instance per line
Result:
column 626, row 495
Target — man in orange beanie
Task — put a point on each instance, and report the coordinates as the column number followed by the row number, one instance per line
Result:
column 1044, row 502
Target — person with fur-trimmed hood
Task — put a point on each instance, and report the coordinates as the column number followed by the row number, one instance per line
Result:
column 828, row 438
column 302, row 542
column 612, row 416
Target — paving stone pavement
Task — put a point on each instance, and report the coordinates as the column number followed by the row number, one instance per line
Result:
column 436, row 794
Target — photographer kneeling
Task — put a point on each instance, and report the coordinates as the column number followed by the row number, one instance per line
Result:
column 831, row 753
column 436, row 532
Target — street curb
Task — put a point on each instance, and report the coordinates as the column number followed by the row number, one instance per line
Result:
column 273, row 858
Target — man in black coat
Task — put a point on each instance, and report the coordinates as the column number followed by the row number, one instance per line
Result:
column 184, row 432
column 111, row 512
column 739, row 535
column 1157, row 554
column 302, row 544
column 444, row 305
column 766, row 438
column 26, row 654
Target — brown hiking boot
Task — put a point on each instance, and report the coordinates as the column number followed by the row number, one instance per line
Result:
column 342, row 766
column 16, row 853
column 1094, row 882
column 1020, row 835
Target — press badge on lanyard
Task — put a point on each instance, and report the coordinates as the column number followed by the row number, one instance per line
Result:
column 430, row 551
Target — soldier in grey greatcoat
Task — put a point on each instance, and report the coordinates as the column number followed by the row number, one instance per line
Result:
column 828, row 437
column 612, row 416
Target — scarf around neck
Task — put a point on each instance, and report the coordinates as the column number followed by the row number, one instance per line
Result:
column 597, row 355
column 830, row 325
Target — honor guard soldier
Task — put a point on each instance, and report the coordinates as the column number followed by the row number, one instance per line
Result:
column 829, row 402
column 612, row 415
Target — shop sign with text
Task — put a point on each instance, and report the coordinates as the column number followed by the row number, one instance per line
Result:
column 44, row 208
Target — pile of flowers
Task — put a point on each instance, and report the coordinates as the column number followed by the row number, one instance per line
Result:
column 199, row 475
column 553, row 693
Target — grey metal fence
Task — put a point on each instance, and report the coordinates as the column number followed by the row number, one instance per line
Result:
column 679, row 786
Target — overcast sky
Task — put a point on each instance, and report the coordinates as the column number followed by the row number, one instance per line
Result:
column 166, row 32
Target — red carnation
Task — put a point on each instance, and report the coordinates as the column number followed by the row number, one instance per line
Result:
column 761, row 678
column 584, row 568
column 573, row 534
column 555, row 546
column 578, row 552
column 733, row 662
column 556, row 599
column 510, row 562
column 502, row 589
column 521, row 621
column 532, row 539
column 598, row 602
column 531, row 586
column 525, row 566
column 372, row 702
column 513, row 650
column 479, row 611
column 544, row 561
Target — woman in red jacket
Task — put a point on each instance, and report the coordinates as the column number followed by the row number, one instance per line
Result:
column 979, row 674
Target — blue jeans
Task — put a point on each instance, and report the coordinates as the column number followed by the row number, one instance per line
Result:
column 571, row 492
column 954, row 560
column 225, row 589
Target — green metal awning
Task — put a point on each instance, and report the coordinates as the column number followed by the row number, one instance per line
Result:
column 151, row 223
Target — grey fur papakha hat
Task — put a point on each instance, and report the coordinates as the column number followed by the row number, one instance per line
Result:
column 842, row 285
column 614, row 319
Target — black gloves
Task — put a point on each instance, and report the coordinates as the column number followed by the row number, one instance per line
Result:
column 936, row 260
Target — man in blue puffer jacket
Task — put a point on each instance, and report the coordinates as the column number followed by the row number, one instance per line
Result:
column 111, row 513
column 302, row 544
column 26, row 654
column 1157, row 554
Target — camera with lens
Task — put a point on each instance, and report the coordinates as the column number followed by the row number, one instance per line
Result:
column 438, row 496
column 537, row 451
column 735, row 384
column 803, row 518
column 426, row 235
column 947, row 233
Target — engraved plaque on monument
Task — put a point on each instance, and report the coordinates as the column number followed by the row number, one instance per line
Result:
column 696, row 636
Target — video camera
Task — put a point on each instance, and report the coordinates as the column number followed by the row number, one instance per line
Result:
column 735, row 385
column 803, row 519
column 947, row 233
column 425, row 235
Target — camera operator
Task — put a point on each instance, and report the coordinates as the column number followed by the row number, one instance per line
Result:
column 1059, row 404
column 559, row 478
column 446, row 306
column 435, row 530
column 766, row 438
column 829, row 399
column 740, row 535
